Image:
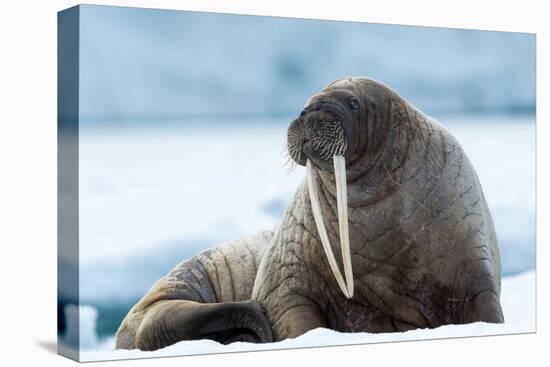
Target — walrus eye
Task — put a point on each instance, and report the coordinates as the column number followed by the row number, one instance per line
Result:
column 353, row 103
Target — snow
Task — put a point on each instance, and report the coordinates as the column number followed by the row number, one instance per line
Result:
column 517, row 298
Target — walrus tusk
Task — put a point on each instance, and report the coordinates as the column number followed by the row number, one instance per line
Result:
column 342, row 202
column 341, row 198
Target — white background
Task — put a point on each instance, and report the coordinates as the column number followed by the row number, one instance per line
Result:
column 28, row 181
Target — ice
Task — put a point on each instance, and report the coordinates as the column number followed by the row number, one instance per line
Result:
column 144, row 192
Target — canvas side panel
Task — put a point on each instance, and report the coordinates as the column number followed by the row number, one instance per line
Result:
column 67, row 182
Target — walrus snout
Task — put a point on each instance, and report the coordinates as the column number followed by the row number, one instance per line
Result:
column 317, row 135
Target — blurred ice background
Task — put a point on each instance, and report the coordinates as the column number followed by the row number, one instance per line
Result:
column 183, row 122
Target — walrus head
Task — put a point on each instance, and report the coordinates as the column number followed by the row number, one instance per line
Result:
column 326, row 127
column 331, row 130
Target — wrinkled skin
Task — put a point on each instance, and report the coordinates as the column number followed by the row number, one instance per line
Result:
column 423, row 245
column 206, row 297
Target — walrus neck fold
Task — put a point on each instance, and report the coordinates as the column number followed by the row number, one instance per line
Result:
column 346, row 286
column 379, row 173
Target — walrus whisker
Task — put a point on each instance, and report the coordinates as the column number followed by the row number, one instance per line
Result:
column 345, row 287
column 326, row 153
column 289, row 163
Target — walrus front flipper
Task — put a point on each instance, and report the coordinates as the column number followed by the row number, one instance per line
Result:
column 168, row 322
column 485, row 307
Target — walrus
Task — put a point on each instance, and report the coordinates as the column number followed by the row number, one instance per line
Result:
column 389, row 196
